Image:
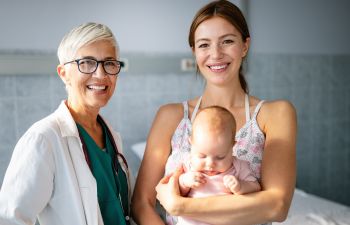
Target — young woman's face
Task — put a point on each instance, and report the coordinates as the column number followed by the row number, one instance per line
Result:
column 95, row 89
column 211, row 154
column 219, row 49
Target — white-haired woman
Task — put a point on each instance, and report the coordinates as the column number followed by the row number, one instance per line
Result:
column 68, row 168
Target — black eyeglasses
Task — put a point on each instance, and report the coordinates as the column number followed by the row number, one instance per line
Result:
column 89, row 66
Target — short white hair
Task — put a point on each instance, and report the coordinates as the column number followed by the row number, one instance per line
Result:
column 82, row 35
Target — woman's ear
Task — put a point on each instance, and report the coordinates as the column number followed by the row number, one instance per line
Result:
column 62, row 73
column 233, row 142
column 246, row 45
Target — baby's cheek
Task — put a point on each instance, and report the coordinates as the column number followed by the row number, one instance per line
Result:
column 196, row 165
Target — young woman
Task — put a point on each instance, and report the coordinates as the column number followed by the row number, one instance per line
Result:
column 266, row 133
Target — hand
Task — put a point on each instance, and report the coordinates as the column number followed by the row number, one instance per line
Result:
column 192, row 179
column 232, row 183
column 168, row 192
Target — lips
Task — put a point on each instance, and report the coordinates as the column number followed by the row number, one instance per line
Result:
column 218, row 67
column 210, row 172
column 97, row 87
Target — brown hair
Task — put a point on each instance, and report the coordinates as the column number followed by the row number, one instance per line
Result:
column 229, row 12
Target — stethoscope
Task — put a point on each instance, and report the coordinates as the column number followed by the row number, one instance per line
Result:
column 115, row 161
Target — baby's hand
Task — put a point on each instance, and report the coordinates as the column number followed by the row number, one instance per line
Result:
column 192, row 179
column 232, row 183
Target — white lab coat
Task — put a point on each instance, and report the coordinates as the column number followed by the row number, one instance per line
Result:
column 48, row 176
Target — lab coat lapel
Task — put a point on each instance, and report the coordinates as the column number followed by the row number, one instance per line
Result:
column 86, row 181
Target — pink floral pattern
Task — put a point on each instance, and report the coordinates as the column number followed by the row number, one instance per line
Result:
column 250, row 145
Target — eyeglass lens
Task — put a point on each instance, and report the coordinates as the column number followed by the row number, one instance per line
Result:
column 90, row 65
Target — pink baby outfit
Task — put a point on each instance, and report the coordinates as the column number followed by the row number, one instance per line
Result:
column 249, row 145
column 215, row 186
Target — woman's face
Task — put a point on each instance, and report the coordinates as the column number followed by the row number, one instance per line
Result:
column 90, row 91
column 219, row 49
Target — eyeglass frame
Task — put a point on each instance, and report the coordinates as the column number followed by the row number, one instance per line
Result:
column 98, row 62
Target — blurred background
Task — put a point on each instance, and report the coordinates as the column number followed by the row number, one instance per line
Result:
column 300, row 52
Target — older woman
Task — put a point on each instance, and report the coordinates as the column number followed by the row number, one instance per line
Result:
column 68, row 168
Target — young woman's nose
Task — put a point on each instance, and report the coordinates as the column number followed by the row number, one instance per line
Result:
column 216, row 51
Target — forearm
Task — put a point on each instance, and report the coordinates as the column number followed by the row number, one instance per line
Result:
column 253, row 208
column 247, row 187
column 145, row 213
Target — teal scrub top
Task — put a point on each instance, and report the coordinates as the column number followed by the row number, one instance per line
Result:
column 112, row 187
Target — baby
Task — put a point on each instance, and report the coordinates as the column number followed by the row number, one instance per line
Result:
column 212, row 169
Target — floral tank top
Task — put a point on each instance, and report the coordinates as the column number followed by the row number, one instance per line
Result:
column 249, row 145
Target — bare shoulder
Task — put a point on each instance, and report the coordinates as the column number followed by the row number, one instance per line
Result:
column 168, row 117
column 277, row 107
column 280, row 112
column 173, row 111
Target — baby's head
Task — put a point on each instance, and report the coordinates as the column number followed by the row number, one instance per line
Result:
column 212, row 140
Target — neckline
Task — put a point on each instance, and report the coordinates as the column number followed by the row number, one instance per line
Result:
column 246, row 106
column 88, row 139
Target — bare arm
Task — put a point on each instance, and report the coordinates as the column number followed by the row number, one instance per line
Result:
column 153, row 164
column 278, row 179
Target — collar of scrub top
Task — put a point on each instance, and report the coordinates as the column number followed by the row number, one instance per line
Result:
column 110, row 136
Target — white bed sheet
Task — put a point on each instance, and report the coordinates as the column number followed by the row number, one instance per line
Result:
column 306, row 209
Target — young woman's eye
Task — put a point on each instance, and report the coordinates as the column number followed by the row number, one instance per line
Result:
column 228, row 41
column 203, row 46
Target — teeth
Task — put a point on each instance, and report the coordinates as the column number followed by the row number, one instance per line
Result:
column 218, row 67
column 95, row 87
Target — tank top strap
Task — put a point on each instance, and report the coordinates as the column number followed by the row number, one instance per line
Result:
column 196, row 109
column 185, row 104
column 257, row 108
column 247, row 111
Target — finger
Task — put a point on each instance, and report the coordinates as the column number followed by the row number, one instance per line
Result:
column 196, row 185
column 165, row 179
column 179, row 170
column 227, row 179
column 175, row 176
column 201, row 180
column 198, row 174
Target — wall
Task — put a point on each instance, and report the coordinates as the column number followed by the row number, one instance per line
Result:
column 300, row 52
column 299, row 27
column 140, row 26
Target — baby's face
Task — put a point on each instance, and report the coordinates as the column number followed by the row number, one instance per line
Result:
column 211, row 154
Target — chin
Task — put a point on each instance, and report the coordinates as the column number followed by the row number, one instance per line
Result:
column 98, row 104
